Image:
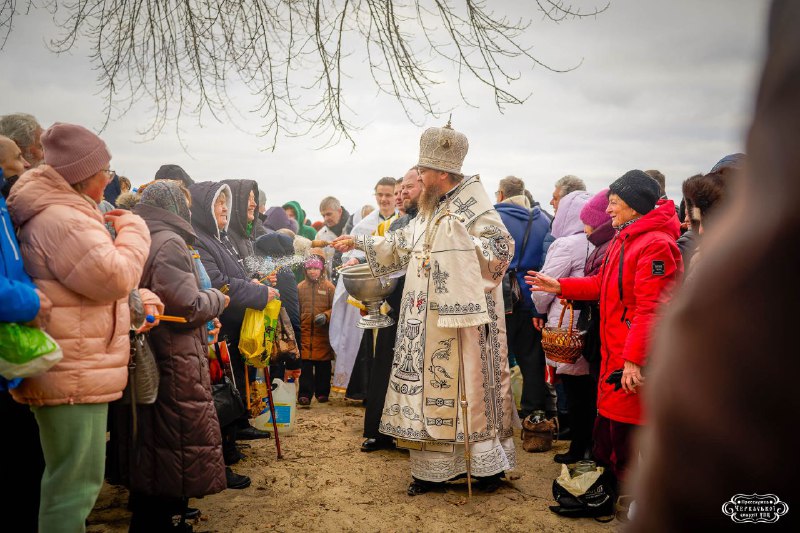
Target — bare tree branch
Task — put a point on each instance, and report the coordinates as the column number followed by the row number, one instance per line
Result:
column 294, row 58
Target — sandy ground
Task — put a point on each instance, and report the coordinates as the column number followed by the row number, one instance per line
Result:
column 324, row 483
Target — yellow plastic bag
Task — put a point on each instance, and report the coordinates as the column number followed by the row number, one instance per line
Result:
column 272, row 315
column 258, row 333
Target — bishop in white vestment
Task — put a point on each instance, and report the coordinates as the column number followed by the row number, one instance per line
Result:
column 454, row 254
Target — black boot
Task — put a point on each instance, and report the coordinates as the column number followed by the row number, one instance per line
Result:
column 420, row 486
column 491, row 483
column 236, row 481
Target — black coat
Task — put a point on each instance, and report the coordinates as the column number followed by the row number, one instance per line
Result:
column 222, row 264
column 238, row 234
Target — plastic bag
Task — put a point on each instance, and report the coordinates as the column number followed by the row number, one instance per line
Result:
column 516, row 386
column 26, row 352
column 258, row 334
column 251, row 336
column 578, row 484
column 272, row 315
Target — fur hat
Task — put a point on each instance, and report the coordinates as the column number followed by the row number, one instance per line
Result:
column 594, row 212
column 74, row 152
column 443, row 149
column 128, row 200
column 638, row 190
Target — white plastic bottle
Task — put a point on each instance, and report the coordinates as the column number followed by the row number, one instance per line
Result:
column 285, row 397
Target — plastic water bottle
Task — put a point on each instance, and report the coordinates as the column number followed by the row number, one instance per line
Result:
column 285, row 398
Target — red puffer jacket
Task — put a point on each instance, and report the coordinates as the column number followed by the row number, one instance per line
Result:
column 641, row 266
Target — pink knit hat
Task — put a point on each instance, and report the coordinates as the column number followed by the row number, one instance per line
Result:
column 594, row 212
column 74, row 152
column 314, row 262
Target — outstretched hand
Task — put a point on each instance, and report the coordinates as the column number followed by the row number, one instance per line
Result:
column 343, row 243
column 539, row 282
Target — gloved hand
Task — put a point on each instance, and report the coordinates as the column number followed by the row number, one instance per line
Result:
column 320, row 319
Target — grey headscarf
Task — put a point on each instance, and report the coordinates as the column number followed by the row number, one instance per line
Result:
column 167, row 195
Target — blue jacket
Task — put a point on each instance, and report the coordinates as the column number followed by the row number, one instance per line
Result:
column 515, row 218
column 18, row 299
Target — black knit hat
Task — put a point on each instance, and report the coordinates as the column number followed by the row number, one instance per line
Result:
column 174, row 172
column 638, row 190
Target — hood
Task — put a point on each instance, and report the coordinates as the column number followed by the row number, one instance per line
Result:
column 301, row 215
column 274, row 244
column 240, row 192
column 204, row 194
column 159, row 219
column 520, row 200
column 602, row 233
column 276, row 218
column 518, row 212
column 568, row 217
column 662, row 218
column 41, row 187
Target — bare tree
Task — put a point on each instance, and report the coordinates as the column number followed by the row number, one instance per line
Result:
column 294, row 57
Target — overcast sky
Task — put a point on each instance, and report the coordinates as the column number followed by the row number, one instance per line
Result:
column 665, row 85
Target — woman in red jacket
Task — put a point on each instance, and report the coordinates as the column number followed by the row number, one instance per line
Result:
column 641, row 265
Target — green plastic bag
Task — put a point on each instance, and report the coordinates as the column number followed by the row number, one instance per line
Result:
column 26, row 352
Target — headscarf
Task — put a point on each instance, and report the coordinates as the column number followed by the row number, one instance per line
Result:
column 169, row 196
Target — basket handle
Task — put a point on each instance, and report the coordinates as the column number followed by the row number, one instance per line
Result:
column 571, row 315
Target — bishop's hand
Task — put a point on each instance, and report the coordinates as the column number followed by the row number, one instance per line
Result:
column 344, row 243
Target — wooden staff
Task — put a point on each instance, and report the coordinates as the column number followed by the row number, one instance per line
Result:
column 464, row 415
column 268, row 379
column 247, row 390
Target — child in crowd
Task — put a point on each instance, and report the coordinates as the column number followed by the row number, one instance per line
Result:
column 316, row 299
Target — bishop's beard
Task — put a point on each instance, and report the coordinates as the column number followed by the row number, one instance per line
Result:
column 429, row 198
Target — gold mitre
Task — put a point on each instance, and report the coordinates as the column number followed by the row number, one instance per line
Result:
column 443, row 149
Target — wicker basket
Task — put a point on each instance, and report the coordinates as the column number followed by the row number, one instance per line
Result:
column 563, row 345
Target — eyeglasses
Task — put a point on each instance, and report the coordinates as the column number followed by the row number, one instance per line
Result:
column 109, row 172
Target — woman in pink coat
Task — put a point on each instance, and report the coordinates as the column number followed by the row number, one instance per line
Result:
column 73, row 260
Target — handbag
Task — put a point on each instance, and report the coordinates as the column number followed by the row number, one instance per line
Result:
column 227, row 402
column 227, row 399
column 143, row 376
column 285, row 345
column 512, row 293
column 538, row 433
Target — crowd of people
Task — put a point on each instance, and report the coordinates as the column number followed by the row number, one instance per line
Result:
column 85, row 256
